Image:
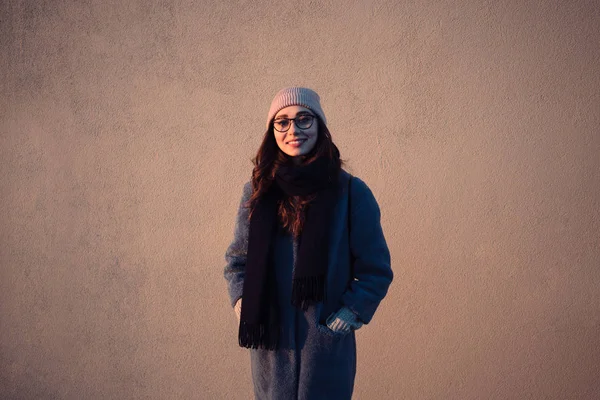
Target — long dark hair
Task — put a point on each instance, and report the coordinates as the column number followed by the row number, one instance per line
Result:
column 268, row 159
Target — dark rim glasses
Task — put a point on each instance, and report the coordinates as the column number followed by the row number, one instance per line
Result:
column 303, row 121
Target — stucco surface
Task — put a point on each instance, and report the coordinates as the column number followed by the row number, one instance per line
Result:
column 126, row 133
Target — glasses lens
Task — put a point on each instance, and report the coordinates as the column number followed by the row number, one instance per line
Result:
column 304, row 121
column 282, row 125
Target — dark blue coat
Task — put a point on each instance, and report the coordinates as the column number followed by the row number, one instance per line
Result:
column 315, row 362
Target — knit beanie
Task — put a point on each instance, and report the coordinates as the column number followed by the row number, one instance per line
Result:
column 296, row 96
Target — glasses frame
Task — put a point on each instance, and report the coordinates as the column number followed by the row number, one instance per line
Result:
column 293, row 120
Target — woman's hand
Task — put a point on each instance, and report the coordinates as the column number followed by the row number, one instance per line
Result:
column 238, row 309
column 343, row 321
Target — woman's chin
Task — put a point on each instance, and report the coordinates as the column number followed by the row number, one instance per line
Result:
column 295, row 153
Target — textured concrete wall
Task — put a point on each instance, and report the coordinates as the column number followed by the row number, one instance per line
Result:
column 126, row 132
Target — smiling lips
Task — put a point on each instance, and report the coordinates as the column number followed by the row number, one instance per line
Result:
column 297, row 142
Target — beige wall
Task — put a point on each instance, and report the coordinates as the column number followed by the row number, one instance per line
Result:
column 126, row 132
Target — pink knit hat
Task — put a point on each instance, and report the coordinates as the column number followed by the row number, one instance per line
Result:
column 296, row 96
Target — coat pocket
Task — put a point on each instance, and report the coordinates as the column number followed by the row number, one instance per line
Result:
column 324, row 329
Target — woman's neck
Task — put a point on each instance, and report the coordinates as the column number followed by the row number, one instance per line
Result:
column 298, row 160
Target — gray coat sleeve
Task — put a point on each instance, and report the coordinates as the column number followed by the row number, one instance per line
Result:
column 372, row 264
column 235, row 256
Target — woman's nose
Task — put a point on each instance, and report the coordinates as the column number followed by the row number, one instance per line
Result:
column 292, row 130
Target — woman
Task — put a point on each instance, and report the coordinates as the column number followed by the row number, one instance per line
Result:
column 309, row 261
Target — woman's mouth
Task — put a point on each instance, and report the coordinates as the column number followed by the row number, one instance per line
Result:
column 297, row 142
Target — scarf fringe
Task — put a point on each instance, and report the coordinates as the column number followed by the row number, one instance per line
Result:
column 258, row 335
column 308, row 290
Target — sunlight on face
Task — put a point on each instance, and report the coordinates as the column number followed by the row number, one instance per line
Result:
column 295, row 141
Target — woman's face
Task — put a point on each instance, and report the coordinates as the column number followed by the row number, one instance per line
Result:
column 295, row 141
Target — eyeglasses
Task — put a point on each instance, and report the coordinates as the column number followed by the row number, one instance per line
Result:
column 303, row 121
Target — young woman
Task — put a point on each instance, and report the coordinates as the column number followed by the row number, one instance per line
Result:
column 309, row 263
